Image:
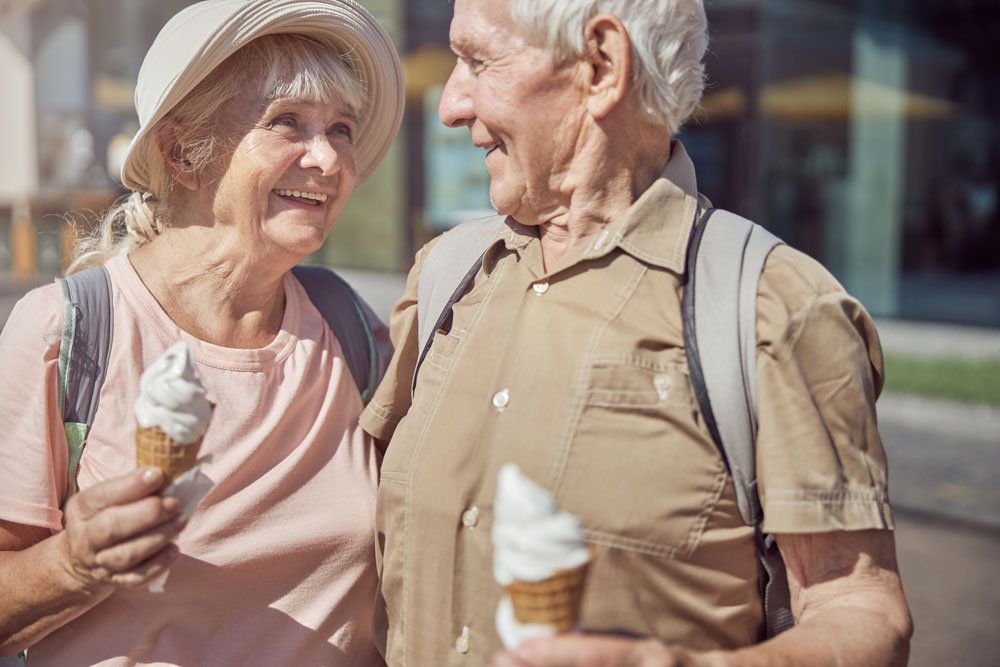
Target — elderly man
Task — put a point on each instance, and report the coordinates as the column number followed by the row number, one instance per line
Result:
column 566, row 356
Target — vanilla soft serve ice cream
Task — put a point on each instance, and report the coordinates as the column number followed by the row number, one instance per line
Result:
column 172, row 415
column 172, row 398
column 535, row 546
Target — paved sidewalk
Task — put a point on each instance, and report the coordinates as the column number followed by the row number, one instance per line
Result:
column 931, row 339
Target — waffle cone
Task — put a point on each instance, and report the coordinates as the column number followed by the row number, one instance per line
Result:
column 554, row 601
column 155, row 448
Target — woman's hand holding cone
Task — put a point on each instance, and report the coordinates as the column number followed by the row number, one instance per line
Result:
column 118, row 533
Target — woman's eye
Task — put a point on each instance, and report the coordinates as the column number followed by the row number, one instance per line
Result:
column 342, row 130
column 283, row 121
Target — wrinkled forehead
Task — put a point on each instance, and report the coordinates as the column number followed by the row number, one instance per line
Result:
column 479, row 22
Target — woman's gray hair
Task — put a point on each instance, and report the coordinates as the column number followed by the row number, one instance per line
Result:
column 669, row 39
column 271, row 67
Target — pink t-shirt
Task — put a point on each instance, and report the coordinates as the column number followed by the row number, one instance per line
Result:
column 277, row 562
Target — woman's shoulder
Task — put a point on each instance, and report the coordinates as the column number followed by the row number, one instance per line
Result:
column 37, row 316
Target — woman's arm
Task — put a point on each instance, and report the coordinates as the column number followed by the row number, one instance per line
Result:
column 117, row 535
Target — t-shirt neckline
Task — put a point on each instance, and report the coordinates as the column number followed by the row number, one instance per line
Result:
column 138, row 296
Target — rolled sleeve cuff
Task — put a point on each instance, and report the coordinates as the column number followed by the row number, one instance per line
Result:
column 29, row 514
column 811, row 511
column 379, row 422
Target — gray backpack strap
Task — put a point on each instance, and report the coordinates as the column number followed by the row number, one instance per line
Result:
column 449, row 268
column 719, row 308
column 84, row 350
column 362, row 335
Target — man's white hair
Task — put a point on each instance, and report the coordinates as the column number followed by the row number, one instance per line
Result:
column 669, row 39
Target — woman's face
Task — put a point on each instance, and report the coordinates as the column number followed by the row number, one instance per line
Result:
column 289, row 175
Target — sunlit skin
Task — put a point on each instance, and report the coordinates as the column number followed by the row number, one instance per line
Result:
column 294, row 145
column 554, row 131
column 519, row 106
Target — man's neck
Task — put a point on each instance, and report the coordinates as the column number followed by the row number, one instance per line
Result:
column 601, row 185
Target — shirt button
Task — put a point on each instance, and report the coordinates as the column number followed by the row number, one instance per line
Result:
column 470, row 517
column 662, row 384
column 540, row 288
column 462, row 643
column 501, row 399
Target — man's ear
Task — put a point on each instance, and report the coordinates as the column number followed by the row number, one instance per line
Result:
column 169, row 139
column 608, row 51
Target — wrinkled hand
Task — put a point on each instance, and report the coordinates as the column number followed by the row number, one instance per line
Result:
column 574, row 650
column 118, row 532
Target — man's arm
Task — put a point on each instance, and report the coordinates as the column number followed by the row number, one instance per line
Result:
column 847, row 601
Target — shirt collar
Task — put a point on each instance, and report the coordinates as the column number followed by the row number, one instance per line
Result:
column 656, row 227
column 512, row 235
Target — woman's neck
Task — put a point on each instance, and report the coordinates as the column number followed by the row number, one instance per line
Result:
column 222, row 295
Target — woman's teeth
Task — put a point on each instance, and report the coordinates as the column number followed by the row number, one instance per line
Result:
column 318, row 197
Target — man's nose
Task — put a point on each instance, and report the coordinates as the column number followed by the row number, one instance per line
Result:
column 456, row 108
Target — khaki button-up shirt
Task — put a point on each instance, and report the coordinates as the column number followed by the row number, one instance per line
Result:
column 578, row 374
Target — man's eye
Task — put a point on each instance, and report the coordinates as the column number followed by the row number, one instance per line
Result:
column 474, row 65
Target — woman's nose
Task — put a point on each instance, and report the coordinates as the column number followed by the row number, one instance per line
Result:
column 321, row 154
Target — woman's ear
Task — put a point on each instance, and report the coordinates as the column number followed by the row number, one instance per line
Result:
column 169, row 139
column 609, row 53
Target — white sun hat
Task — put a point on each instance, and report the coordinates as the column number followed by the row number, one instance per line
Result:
column 200, row 37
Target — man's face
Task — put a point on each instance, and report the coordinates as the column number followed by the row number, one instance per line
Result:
column 519, row 106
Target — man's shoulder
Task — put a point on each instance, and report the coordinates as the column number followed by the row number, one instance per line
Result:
column 795, row 279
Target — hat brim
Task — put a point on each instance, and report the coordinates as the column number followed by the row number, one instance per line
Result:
column 198, row 39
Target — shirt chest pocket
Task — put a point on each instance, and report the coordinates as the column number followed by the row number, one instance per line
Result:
column 642, row 470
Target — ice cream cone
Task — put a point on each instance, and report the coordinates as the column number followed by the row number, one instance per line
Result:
column 554, row 601
column 155, row 448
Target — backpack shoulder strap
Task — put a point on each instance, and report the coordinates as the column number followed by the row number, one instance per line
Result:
column 362, row 335
column 84, row 350
column 719, row 308
column 447, row 271
column 720, row 316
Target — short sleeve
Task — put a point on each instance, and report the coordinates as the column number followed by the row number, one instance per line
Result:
column 33, row 450
column 392, row 398
column 820, row 461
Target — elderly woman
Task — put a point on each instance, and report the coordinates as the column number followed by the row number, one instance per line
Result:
column 566, row 355
column 257, row 121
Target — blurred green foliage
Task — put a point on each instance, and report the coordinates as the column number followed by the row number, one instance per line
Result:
column 976, row 381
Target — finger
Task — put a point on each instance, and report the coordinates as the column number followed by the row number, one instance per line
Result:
column 573, row 650
column 120, row 523
column 507, row 660
column 147, row 570
column 117, row 491
column 126, row 555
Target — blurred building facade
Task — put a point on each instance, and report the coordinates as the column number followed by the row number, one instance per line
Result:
column 864, row 132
